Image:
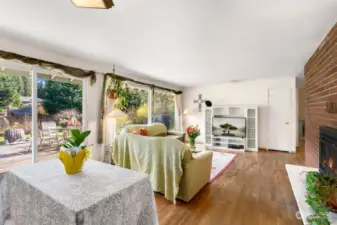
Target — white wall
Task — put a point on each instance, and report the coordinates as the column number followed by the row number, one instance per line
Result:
column 241, row 93
column 93, row 95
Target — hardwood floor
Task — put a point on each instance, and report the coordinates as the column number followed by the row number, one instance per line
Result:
column 254, row 190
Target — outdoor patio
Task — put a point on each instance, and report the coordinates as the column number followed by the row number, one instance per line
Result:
column 8, row 162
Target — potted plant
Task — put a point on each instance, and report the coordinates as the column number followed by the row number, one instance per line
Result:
column 192, row 132
column 74, row 152
column 321, row 196
column 115, row 89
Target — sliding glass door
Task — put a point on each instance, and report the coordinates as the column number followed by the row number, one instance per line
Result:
column 37, row 112
column 59, row 110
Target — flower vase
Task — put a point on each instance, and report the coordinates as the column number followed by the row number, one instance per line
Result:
column 192, row 142
column 73, row 164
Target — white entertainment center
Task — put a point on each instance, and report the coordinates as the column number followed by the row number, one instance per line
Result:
column 249, row 141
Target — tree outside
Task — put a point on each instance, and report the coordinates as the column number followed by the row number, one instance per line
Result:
column 10, row 90
column 58, row 96
column 137, row 102
column 57, row 101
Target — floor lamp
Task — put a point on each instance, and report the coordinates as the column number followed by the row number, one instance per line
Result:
column 115, row 114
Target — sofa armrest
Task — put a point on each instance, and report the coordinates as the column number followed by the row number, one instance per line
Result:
column 196, row 175
column 203, row 155
column 180, row 135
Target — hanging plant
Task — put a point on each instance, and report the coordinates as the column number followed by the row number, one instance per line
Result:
column 114, row 89
column 111, row 94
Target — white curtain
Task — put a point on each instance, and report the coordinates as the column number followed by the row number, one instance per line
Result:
column 178, row 120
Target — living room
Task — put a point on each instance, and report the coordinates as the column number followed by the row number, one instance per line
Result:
column 122, row 112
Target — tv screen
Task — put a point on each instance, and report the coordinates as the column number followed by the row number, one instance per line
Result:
column 229, row 126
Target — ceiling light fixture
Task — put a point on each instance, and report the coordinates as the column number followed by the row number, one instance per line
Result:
column 100, row 4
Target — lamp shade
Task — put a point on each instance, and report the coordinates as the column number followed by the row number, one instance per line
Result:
column 116, row 113
column 100, row 4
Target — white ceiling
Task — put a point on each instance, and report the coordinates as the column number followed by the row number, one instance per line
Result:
column 183, row 42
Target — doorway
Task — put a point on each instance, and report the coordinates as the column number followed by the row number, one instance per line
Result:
column 280, row 119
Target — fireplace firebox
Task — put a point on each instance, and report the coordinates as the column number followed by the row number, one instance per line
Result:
column 328, row 151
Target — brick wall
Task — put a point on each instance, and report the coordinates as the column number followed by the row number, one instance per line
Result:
column 320, row 75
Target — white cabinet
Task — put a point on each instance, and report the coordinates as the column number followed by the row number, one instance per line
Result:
column 208, row 127
column 248, row 115
column 252, row 129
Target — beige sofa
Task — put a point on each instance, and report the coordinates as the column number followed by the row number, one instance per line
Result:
column 196, row 167
column 155, row 129
column 196, row 175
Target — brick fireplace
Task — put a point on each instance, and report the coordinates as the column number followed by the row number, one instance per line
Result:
column 320, row 75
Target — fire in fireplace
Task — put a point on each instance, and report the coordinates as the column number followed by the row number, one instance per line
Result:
column 328, row 151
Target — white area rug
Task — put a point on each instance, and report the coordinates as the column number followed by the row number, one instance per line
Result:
column 220, row 162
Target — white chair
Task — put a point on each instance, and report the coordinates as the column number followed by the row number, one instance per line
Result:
column 49, row 132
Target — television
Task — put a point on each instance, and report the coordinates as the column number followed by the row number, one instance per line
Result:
column 229, row 126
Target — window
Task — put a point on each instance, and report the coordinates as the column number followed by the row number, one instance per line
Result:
column 161, row 110
column 164, row 108
column 139, row 104
column 140, row 99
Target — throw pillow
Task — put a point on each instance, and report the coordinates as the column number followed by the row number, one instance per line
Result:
column 135, row 131
column 143, row 132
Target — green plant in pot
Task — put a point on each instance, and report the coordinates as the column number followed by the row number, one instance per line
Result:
column 321, row 196
column 73, row 153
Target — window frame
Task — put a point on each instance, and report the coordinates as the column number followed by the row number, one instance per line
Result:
column 150, row 98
